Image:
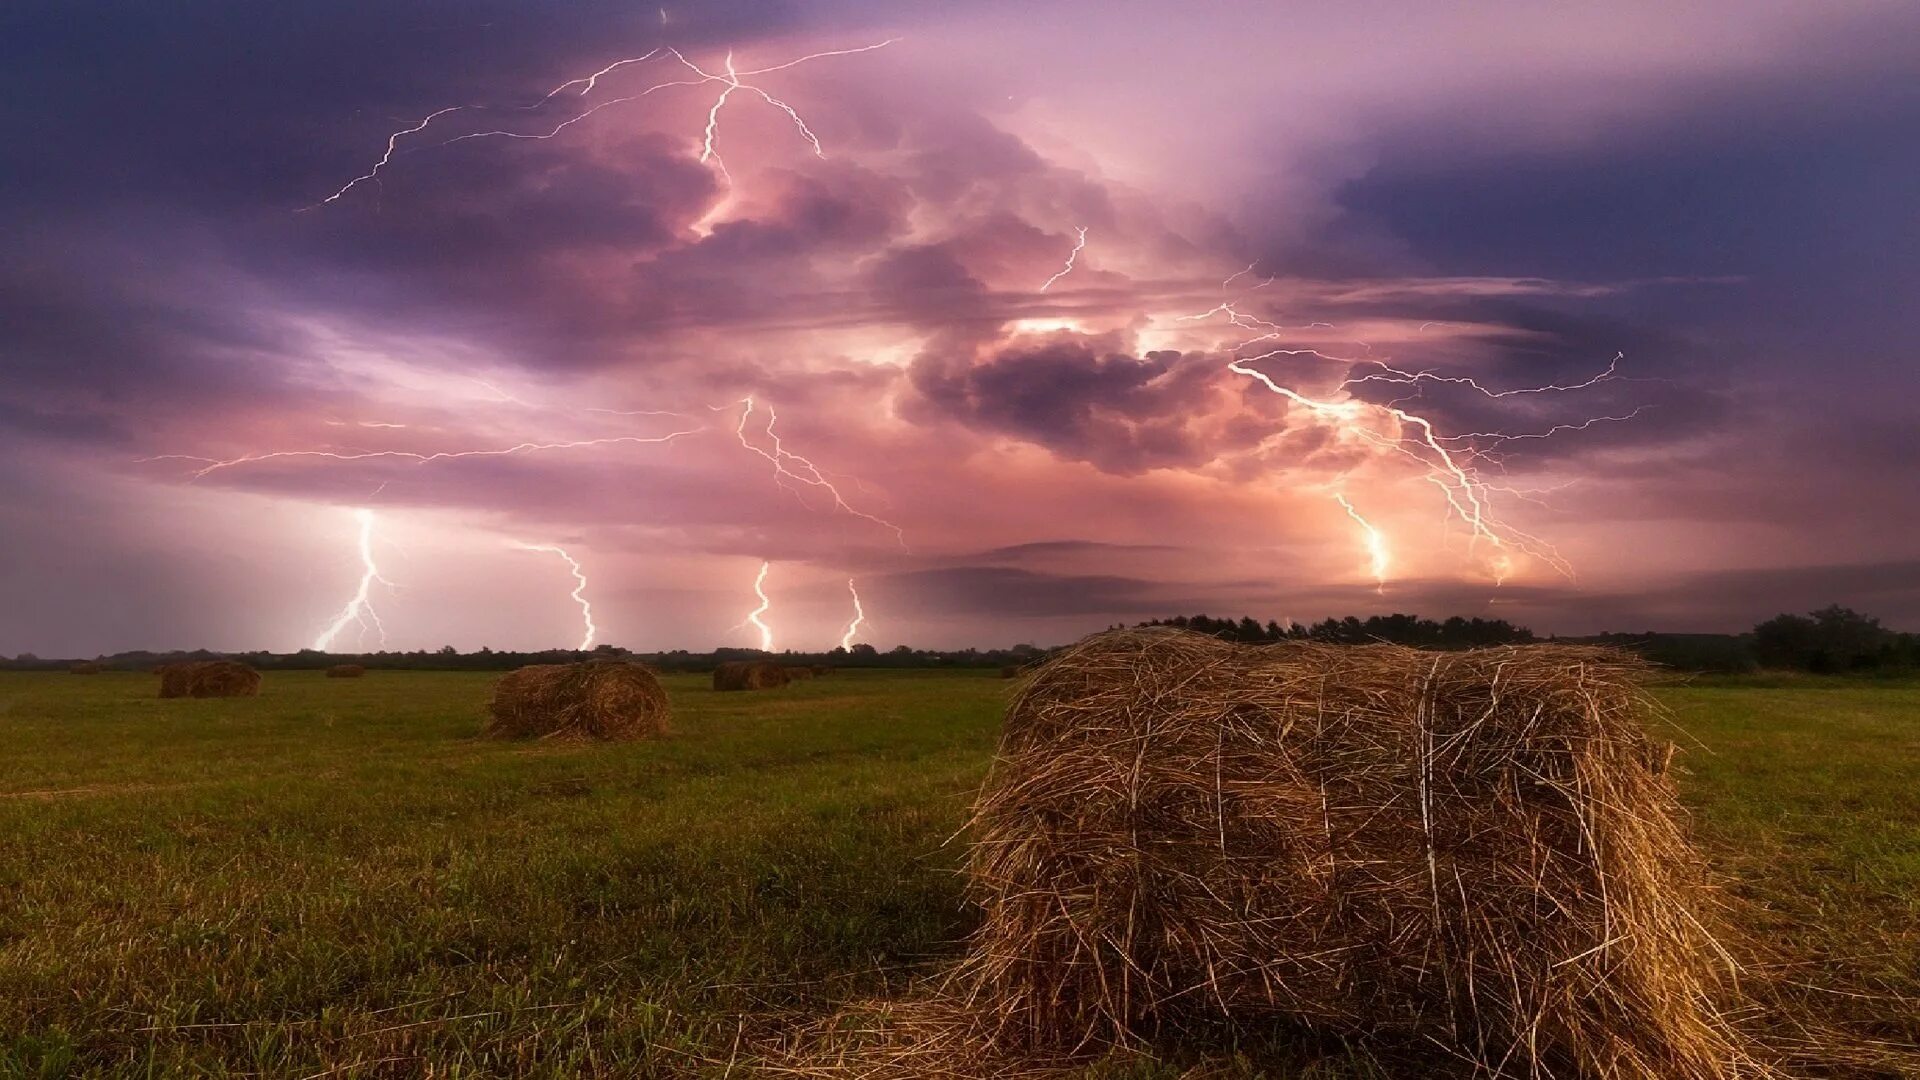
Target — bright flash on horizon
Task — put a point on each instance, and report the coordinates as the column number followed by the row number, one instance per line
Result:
column 766, row 604
column 359, row 607
column 589, row 631
column 859, row 616
column 1377, row 557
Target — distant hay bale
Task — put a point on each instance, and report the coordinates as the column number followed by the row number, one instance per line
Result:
column 346, row 671
column 84, row 667
column 1471, row 851
column 1010, row 671
column 597, row 699
column 749, row 675
column 822, row 669
column 208, row 679
column 797, row 673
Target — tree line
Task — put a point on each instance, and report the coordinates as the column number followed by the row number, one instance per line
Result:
column 1832, row 640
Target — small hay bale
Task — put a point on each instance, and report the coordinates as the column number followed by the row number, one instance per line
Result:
column 1010, row 671
column 84, row 667
column 796, row 673
column 1471, row 852
column 749, row 675
column 597, row 699
column 346, row 671
column 209, row 679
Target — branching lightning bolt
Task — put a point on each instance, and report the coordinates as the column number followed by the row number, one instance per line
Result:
column 730, row 78
column 359, row 608
column 859, row 616
column 1078, row 244
column 1377, row 559
column 1449, row 462
column 789, row 466
column 589, row 630
column 213, row 465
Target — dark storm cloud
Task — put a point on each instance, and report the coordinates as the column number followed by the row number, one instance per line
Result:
column 1083, row 399
column 1006, row 592
column 1043, row 549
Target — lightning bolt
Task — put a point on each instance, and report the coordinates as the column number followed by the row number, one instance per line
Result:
column 359, row 608
column 729, row 77
column 859, row 616
column 213, row 465
column 789, row 466
column 753, row 617
column 589, row 631
column 1450, row 462
column 1078, row 244
column 1376, row 544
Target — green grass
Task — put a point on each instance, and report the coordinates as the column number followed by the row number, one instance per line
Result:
column 338, row 879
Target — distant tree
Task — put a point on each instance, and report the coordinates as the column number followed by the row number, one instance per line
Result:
column 1829, row 640
column 864, row 650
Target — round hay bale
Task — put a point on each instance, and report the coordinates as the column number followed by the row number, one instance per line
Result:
column 749, row 675
column 1010, row 671
column 346, row 671
column 822, row 669
column 84, row 667
column 798, row 674
column 1468, row 851
column 209, row 679
column 597, row 699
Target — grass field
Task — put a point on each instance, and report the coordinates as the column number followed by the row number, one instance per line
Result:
column 338, row 879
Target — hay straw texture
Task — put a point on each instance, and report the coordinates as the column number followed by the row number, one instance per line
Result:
column 1474, row 852
column 597, row 700
column 749, row 675
column 346, row 671
column 209, row 678
column 799, row 674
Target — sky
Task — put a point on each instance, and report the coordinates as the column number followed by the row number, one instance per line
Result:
column 1013, row 320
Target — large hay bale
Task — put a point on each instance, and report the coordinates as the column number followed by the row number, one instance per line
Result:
column 346, row 671
column 749, row 675
column 209, row 679
column 822, row 669
column 1473, row 852
column 796, row 673
column 597, row 699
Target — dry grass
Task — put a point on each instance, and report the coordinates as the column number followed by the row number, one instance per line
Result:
column 1472, row 857
column 209, row 679
column 346, row 671
column 749, row 675
column 84, row 667
column 595, row 700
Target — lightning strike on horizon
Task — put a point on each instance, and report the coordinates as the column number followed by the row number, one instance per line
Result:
column 1449, row 462
column 1078, row 245
column 808, row 473
column 766, row 604
column 730, row 77
column 1377, row 557
column 590, row 631
column 859, row 616
column 359, row 608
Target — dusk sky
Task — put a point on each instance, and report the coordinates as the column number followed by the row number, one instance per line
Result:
column 1339, row 337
